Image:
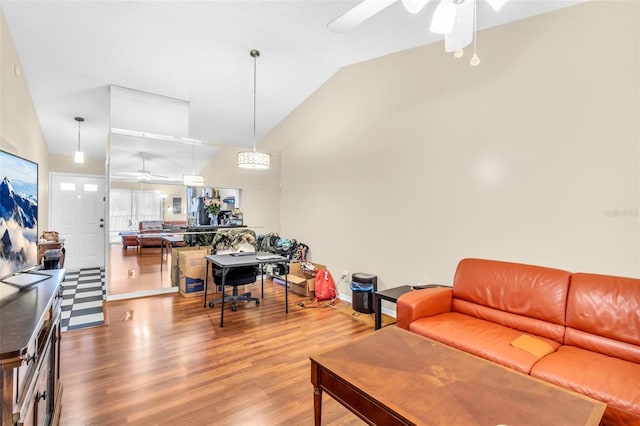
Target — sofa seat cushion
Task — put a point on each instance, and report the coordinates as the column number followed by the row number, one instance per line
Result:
column 479, row 337
column 611, row 380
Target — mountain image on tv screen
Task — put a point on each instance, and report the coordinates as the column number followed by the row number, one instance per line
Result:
column 18, row 213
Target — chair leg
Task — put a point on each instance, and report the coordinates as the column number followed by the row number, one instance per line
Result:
column 234, row 297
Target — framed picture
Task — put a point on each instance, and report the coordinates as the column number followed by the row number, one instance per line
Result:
column 177, row 205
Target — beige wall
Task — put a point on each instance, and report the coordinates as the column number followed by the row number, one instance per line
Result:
column 65, row 164
column 20, row 131
column 403, row 165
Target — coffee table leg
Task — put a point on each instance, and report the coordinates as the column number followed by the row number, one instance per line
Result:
column 317, row 406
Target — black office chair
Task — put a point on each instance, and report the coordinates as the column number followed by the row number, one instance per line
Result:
column 236, row 277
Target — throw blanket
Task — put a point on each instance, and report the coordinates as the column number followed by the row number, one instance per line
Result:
column 233, row 239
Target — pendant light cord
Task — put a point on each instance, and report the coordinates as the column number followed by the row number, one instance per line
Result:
column 254, row 54
column 475, row 60
column 193, row 159
column 475, row 28
column 79, row 120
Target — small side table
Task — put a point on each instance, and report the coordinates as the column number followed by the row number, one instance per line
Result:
column 392, row 295
column 49, row 245
column 170, row 241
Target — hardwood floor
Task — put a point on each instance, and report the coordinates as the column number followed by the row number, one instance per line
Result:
column 164, row 360
column 130, row 271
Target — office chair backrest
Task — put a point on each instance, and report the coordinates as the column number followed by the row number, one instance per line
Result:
column 237, row 276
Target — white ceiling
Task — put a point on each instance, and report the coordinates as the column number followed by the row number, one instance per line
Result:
column 71, row 51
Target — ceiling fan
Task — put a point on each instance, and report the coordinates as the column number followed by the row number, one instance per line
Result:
column 455, row 19
column 144, row 175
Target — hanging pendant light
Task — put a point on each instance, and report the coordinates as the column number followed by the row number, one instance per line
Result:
column 193, row 179
column 254, row 159
column 79, row 155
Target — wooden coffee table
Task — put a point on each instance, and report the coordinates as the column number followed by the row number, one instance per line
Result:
column 395, row 377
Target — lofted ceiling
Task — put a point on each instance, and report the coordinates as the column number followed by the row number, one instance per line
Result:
column 72, row 51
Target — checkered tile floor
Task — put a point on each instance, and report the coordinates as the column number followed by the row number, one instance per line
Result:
column 82, row 296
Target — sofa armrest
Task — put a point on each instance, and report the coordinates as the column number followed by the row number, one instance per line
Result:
column 422, row 303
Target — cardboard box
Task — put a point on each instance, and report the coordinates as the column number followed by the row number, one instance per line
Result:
column 175, row 267
column 190, row 269
column 301, row 282
column 192, row 259
column 191, row 286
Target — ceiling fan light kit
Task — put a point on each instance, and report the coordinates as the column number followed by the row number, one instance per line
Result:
column 455, row 19
column 253, row 159
column 444, row 18
column 143, row 175
column 414, row 6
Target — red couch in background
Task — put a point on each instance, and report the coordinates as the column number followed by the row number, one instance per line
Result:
column 154, row 228
column 581, row 331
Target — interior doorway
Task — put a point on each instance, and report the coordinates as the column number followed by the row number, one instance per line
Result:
column 77, row 212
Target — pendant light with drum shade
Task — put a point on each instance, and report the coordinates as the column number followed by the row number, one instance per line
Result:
column 254, row 159
column 193, row 179
column 78, row 157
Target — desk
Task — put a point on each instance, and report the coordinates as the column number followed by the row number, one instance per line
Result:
column 227, row 262
column 395, row 377
column 169, row 240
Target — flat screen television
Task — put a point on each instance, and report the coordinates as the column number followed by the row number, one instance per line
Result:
column 18, row 220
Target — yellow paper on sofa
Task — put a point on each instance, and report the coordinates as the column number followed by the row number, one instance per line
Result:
column 536, row 347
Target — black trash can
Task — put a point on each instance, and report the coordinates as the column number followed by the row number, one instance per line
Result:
column 51, row 259
column 363, row 287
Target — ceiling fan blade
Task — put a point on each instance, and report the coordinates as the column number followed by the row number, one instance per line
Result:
column 462, row 34
column 444, row 17
column 497, row 4
column 415, row 6
column 358, row 14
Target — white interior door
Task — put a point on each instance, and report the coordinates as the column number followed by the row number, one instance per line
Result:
column 77, row 204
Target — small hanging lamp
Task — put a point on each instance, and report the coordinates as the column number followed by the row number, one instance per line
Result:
column 79, row 155
column 254, row 159
column 193, row 179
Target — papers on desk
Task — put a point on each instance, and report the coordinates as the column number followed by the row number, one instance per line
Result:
column 268, row 257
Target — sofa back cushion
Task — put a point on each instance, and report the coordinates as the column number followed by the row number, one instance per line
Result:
column 603, row 315
column 150, row 225
column 534, row 297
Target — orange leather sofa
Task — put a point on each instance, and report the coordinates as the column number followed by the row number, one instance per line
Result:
column 156, row 228
column 589, row 325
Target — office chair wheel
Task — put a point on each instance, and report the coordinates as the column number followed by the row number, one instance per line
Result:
column 234, row 307
column 211, row 303
column 257, row 302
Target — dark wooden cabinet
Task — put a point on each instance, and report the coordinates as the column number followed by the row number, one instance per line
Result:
column 30, row 352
